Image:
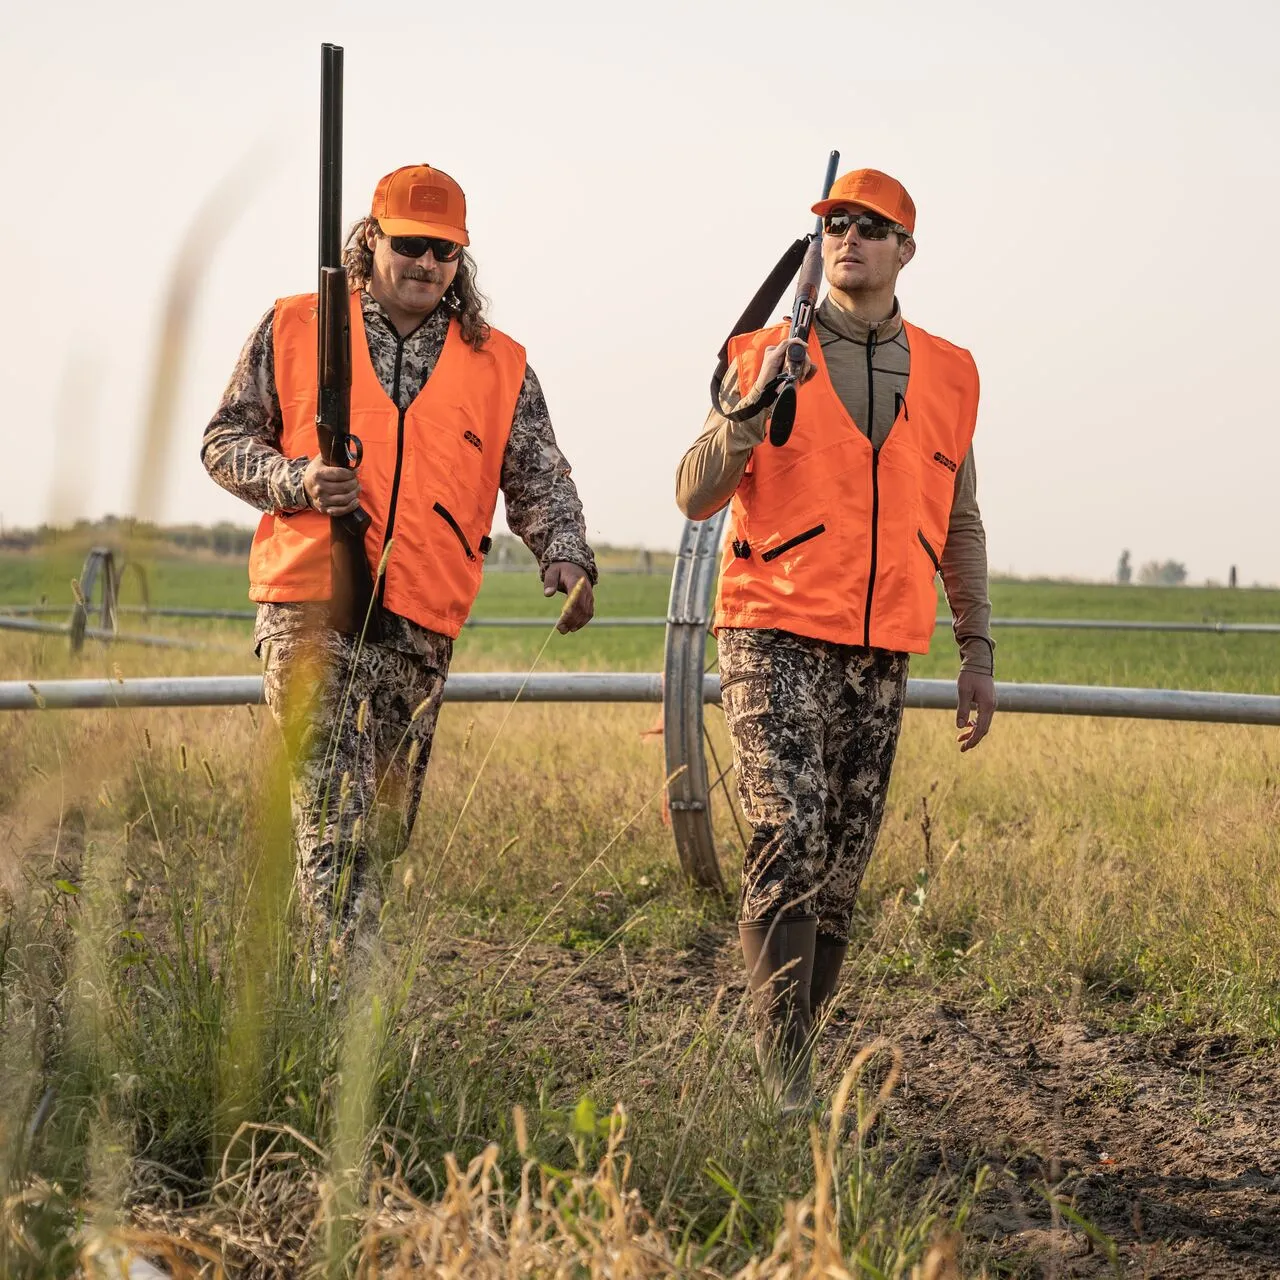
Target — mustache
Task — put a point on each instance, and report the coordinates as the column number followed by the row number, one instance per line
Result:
column 421, row 273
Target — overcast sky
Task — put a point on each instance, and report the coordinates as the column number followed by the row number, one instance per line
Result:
column 1097, row 186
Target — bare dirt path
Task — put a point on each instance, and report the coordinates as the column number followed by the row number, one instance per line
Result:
column 1171, row 1147
column 1168, row 1148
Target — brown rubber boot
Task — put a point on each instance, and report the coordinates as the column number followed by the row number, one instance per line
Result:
column 828, row 956
column 779, row 959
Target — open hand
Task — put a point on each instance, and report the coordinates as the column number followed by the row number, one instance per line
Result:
column 976, row 694
column 573, row 581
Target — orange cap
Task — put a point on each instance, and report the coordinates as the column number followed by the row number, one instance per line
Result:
column 871, row 189
column 417, row 200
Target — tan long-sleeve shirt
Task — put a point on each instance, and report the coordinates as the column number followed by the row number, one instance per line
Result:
column 871, row 391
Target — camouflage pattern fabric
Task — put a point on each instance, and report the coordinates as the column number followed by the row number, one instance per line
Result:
column 815, row 729
column 359, row 726
column 241, row 451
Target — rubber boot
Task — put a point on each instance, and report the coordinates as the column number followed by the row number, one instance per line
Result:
column 828, row 957
column 779, row 959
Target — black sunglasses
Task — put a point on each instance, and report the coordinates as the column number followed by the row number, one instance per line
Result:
column 869, row 226
column 416, row 246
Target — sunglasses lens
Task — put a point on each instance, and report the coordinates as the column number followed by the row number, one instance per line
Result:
column 416, row 246
column 410, row 246
column 867, row 225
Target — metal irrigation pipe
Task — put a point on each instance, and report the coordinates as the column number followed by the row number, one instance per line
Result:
column 49, row 610
column 98, row 633
column 646, row 687
column 1115, row 624
column 248, row 615
column 1047, row 624
column 684, row 666
column 684, row 686
column 225, row 691
column 1051, row 624
column 685, row 662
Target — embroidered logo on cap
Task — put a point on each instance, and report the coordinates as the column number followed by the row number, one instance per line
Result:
column 424, row 199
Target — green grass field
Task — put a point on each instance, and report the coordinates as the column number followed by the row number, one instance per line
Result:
column 1244, row 663
column 1068, row 936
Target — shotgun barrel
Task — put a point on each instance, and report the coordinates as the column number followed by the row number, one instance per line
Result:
column 353, row 608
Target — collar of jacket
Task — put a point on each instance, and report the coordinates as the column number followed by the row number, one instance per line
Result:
column 844, row 324
column 436, row 323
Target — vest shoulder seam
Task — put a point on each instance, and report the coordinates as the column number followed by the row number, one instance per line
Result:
column 296, row 299
column 506, row 338
column 945, row 343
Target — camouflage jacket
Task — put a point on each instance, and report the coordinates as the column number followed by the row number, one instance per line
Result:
column 241, row 451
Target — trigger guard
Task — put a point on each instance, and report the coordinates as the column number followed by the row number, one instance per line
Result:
column 353, row 447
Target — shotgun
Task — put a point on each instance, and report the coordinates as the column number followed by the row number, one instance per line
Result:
column 352, row 609
column 803, row 255
column 802, row 309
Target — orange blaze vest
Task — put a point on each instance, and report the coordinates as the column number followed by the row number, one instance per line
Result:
column 831, row 539
column 429, row 477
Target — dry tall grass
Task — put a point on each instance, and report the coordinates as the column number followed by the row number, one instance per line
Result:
column 589, row 1221
column 165, row 1073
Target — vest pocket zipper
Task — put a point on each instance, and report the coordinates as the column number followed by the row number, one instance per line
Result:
column 456, row 527
column 784, row 547
column 929, row 551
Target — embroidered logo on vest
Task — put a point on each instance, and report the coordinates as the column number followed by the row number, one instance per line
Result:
column 946, row 462
column 472, row 439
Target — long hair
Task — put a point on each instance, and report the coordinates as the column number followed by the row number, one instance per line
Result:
column 462, row 297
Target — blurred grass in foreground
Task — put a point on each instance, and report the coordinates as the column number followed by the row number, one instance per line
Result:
column 547, row 956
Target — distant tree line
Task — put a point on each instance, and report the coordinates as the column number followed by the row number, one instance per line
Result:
column 1155, row 573
column 222, row 539
column 226, row 539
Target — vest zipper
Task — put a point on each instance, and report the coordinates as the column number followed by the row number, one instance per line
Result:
column 875, row 486
column 784, row 547
column 395, row 480
column 929, row 551
column 456, row 527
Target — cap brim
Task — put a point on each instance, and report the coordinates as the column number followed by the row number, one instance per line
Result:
column 409, row 227
column 823, row 207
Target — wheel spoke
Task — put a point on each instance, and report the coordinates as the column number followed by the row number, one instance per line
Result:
column 721, row 775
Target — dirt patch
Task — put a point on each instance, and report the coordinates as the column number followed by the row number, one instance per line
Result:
column 1171, row 1147
column 1167, row 1148
column 1109, row 1154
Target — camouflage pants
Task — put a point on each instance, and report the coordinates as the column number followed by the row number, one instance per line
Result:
column 359, row 728
column 815, row 729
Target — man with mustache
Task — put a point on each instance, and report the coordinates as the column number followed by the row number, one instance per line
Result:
column 826, row 587
column 449, row 414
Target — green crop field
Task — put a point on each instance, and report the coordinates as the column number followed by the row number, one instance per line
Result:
column 1244, row 663
column 1065, row 976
